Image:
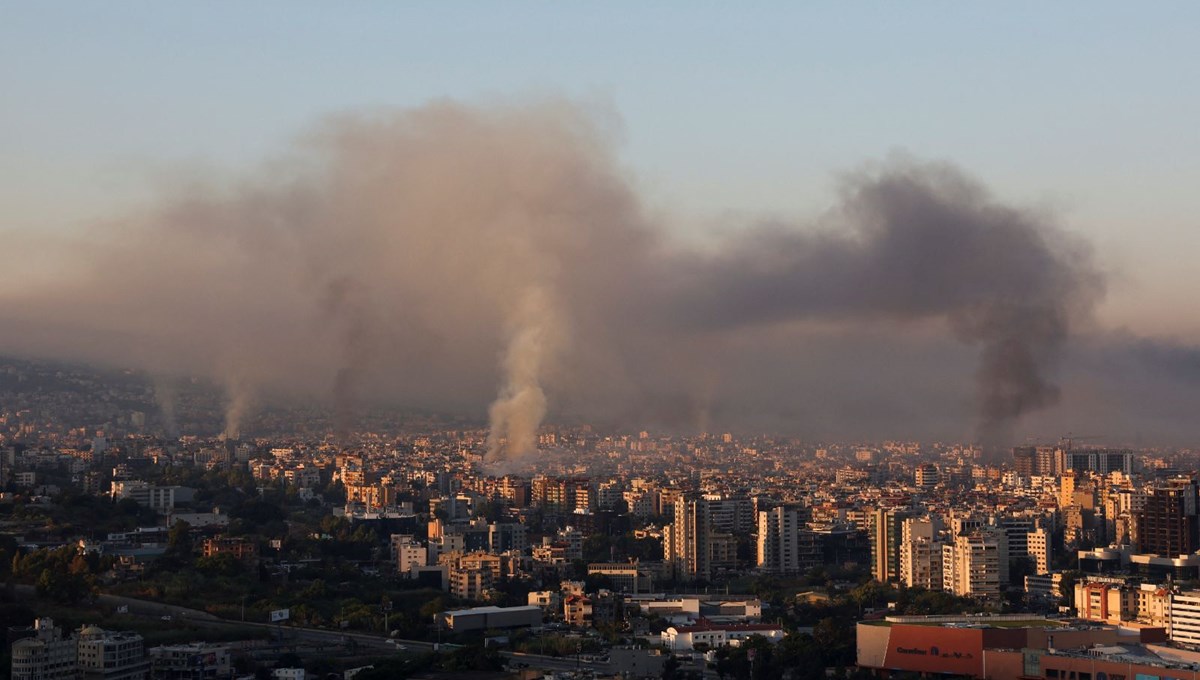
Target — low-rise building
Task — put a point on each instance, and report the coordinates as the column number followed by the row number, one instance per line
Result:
column 195, row 661
column 241, row 548
column 712, row 635
column 482, row 618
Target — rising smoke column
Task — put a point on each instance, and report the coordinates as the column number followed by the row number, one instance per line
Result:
column 166, row 394
column 347, row 307
column 240, row 384
column 534, row 334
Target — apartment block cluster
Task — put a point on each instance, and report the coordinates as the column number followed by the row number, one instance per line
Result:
column 44, row 652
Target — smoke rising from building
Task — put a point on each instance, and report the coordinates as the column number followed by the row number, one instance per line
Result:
column 517, row 412
column 454, row 256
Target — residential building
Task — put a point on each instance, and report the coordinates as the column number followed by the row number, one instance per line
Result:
column 712, row 635
column 1167, row 525
column 779, row 539
column 193, row 661
column 45, row 656
column 976, row 563
column 920, row 554
column 106, row 655
column 1183, row 618
column 885, row 527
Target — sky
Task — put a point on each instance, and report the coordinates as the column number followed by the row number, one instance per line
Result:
column 720, row 114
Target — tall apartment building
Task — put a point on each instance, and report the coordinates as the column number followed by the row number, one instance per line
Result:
column 1032, row 461
column 926, row 476
column 562, row 494
column 976, row 563
column 779, row 539
column 1099, row 460
column 515, row 491
column 920, row 554
column 700, row 541
column 1040, row 549
column 885, row 528
column 731, row 514
column 1016, row 529
column 1168, row 525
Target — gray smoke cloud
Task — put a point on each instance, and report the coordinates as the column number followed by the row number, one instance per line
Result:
column 911, row 242
column 457, row 256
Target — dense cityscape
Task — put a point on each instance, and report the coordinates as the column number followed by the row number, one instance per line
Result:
column 599, row 341
column 130, row 554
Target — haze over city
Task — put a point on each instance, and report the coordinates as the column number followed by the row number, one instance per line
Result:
column 826, row 222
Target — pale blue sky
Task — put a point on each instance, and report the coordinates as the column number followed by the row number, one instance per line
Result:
column 1087, row 108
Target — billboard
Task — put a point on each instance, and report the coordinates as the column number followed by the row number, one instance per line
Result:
column 280, row 615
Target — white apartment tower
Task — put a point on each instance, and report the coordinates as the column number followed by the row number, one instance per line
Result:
column 920, row 554
column 1039, row 543
column 779, row 539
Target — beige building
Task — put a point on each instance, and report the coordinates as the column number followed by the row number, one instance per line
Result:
column 1040, row 543
column 1106, row 601
column 976, row 563
column 920, row 554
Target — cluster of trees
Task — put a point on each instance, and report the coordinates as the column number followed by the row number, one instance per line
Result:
column 62, row 574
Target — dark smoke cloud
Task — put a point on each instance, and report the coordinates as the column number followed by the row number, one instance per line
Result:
column 912, row 242
column 455, row 256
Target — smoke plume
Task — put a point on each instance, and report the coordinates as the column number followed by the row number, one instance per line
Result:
column 165, row 395
column 519, row 409
column 455, row 256
column 906, row 244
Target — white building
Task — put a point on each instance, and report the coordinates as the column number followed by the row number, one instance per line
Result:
column 547, row 600
column 685, row 638
column 160, row 498
column 779, row 539
column 407, row 553
column 920, row 554
column 1183, row 622
column 1039, row 544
